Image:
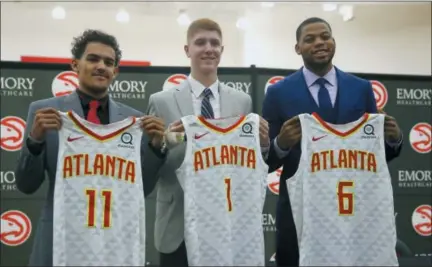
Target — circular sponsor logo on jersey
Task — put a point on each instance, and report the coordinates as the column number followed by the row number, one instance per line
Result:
column 247, row 128
column 368, row 129
column 64, row 83
column 273, row 181
column 12, row 133
column 272, row 81
column 126, row 138
column 16, row 228
column 420, row 137
column 422, row 220
column 380, row 92
column 173, row 81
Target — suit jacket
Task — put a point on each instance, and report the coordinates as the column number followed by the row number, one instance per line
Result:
column 171, row 105
column 290, row 97
column 30, row 170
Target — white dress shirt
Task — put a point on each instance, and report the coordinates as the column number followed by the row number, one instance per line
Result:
column 197, row 90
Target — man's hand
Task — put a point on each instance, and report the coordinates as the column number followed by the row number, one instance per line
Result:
column 264, row 133
column 45, row 119
column 290, row 133
column 392, row 131
column 176, row 127
column 154, row 127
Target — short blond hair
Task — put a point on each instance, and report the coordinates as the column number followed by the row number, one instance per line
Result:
column 203, row 24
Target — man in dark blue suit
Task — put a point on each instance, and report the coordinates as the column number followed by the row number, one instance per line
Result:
column 336, row 96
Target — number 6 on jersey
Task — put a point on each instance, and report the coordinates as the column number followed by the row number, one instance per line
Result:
column 345, row 199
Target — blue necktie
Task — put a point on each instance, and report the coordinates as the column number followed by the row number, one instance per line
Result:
column 325, row 104
column 206, row 108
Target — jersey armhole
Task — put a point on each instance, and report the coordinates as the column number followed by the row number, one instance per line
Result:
column 303, row 147
column 188, row 139
column 257, row 139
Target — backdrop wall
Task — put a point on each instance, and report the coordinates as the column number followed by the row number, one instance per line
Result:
column 392, row 38
column 408, row 98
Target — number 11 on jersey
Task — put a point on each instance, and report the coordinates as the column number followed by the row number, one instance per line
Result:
column 106, row 196
column 345, row 199
column 228, row 193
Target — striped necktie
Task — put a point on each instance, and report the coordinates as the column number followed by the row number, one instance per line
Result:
column 206, row 108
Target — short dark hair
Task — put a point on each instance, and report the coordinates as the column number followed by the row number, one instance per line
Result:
column 80, row 43
column 307, row 22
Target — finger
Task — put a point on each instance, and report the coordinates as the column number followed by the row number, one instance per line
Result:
column 177, row 129
column 155, row 133
column 47, row 111
column 154, row 125
column 264, row 126
column 152, row 121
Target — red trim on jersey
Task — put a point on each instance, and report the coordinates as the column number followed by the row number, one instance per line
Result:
column 220, row 129
column 95, row 135
column 365, row 118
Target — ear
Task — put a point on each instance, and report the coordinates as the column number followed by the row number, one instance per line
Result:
column 222, row 49
column 297, row 49
column 116, row 71
column 74, row 65
column 186, row 49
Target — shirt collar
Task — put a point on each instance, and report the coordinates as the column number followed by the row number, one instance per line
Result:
column 311, row 77
column 85, row 99
column 198, row 88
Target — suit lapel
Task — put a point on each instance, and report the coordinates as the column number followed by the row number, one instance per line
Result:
column 184, row 99
column 343, row 96
column 226, row 102
column 115, row 114
column 72, row 102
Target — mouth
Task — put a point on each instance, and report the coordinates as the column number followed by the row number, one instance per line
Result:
column 100, row 77
column 208, row 58
column 321, row 52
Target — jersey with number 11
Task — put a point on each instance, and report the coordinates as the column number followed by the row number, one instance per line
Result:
column 223, row 177
column 99, row 209
column 341, row 195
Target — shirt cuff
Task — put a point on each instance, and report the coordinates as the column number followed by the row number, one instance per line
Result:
column 159, row 153
column 34, row 146
column 397, row 143
column 279, row 152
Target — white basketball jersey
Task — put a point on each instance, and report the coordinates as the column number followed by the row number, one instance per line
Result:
column 342, row 195
column 99, row 212
column 223, row 177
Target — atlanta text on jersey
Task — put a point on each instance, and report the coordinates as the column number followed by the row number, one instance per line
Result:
column 224, row 155
column 80, row 165
column 343, row 159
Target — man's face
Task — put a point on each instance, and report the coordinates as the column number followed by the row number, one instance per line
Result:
column 204, row 49
column 96, row 68
column 316, row 44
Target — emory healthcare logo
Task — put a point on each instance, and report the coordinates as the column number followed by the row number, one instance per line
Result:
column 273, row 181
column 64, row 83
column 422, row 220
column 173, row 81
column 272, row 81
column 16, row 227
column 12, row 133
column 420, row 137
column 380, row 92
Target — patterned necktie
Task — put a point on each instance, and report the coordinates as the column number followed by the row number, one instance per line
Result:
column 325, row 104
column 206, row 108
column 92, row 113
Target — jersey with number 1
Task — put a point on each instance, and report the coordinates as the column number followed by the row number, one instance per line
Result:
column 99, row 212
column 342, row 195
column 223, row 177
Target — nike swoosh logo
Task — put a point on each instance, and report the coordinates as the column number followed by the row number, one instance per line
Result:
column 198, row 136
column 318, row 138
column 70, row 139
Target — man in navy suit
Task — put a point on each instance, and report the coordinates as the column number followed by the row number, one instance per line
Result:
column 338, row 97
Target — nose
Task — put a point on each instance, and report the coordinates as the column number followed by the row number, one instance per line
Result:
column 100, row 64
column 208, row 47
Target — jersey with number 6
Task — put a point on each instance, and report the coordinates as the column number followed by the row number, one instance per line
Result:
column 342, row 196
column 223, row 177
column 99, row 212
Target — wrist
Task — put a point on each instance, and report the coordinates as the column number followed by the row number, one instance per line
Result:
column 281, row 145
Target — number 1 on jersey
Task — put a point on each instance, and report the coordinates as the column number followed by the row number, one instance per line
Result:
column 228, row 193
column 345, row 199
column 91, row 207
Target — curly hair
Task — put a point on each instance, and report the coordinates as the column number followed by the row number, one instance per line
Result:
column 80, row 43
